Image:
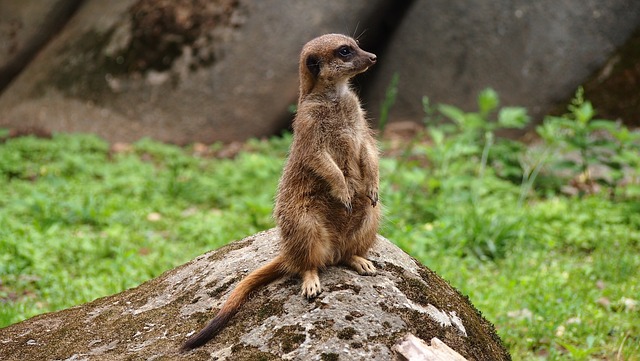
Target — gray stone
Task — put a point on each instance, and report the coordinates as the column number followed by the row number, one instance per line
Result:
column 355, row 318
column 534, row 54
column 177, row 71
column 201, row 71
column 26, row 26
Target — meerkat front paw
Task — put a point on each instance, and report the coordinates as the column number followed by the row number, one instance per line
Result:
column 348, row 207
column 345, row 199
column 362, row 265
column 311, row 284
column 373, row 196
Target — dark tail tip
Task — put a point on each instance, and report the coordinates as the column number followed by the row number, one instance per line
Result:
column 207, row 333
column 193, row 342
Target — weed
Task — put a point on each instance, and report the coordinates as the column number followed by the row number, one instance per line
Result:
column 389, row 100
column 464, row 196
column 598, row 152
column 472, row 135
column 461, row 154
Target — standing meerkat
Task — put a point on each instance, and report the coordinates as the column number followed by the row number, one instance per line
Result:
column 327, row 203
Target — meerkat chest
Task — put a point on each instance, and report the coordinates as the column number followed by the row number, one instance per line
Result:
column 345, row 147
column 348, row 132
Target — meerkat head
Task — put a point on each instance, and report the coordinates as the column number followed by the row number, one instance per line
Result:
column 329, row 61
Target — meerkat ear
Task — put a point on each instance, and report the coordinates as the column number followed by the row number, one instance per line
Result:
column 313, row 64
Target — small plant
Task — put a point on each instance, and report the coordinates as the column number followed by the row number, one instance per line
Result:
column 595, row 151
column 454, row 176
column 389, row 99
column 471, row 135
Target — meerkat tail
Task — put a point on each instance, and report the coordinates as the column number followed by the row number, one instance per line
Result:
column 260, row 277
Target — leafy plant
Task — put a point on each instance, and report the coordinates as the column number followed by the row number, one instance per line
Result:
column 471, row 135
column 596, row 151
column 456, row 169
column 390, row 96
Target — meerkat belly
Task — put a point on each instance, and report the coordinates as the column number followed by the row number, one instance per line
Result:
column 310, row 196
column 345, row 148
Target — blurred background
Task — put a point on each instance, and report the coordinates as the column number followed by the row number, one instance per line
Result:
column 223, row 70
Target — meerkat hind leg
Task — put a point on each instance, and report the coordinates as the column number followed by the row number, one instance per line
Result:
column 361, row 265
column 311, row 284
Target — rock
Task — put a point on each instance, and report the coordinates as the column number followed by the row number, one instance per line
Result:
column 178, row 71
column 413, row 349
column 225, row 70
column 26, row 26
column 534, row 54
column 613, row 90
column 355, row 318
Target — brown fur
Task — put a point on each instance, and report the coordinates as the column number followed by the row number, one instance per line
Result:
column 327, row 204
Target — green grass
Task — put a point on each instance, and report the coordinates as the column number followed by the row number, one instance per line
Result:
column 557, row 275
column 78, row 222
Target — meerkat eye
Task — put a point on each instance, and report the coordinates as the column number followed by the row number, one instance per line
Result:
column 345, row 51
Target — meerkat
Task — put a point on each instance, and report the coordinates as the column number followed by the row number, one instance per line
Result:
column 327, row 208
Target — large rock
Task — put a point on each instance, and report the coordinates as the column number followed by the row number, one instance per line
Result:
column 614, row 89
column 26, row 26
column 355, row 318
column 198, row 70
column 178, row 71
column 533, row 54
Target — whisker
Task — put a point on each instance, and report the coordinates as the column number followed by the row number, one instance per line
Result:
column 362, row 33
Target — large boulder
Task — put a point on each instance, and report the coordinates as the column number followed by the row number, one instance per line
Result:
column 178, row 71
column 534, row 54
column 201, row 71
column 613, row 90
column 355, row 318
column 26, row 26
